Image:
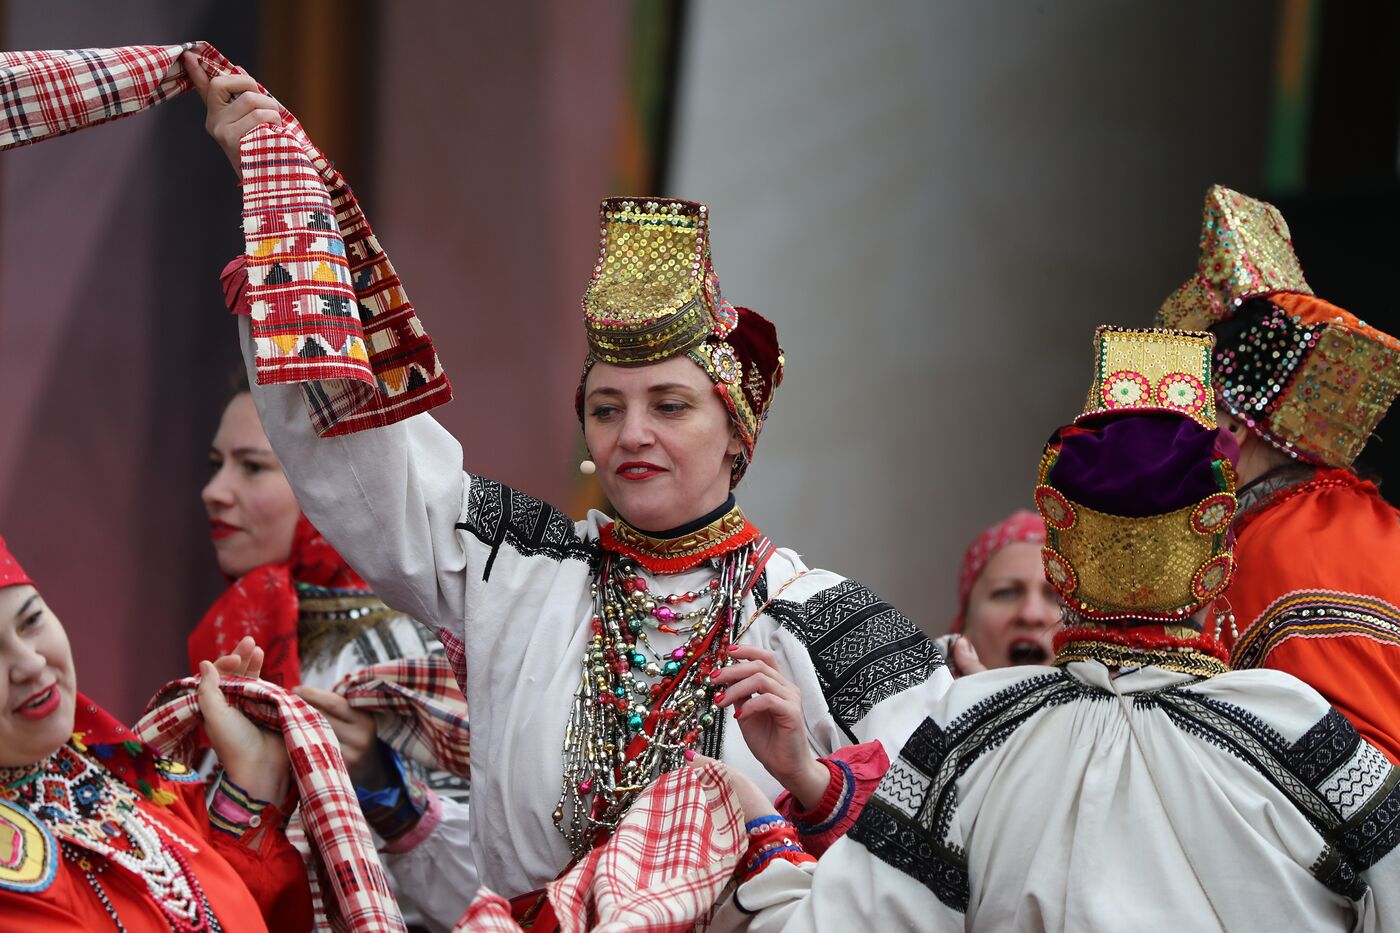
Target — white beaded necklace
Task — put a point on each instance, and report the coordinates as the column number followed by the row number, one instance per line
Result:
column 87, row 808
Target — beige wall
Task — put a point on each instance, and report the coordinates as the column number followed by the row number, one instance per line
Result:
column 935, row 203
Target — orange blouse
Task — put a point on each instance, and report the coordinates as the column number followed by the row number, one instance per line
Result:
column 256, row 883
column 1317, row 591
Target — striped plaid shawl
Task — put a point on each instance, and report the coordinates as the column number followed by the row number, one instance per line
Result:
column 662, row 871
column 347, row 864
column 328, row 310
column 418, row 709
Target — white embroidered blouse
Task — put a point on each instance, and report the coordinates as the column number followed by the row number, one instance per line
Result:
column 503, row 579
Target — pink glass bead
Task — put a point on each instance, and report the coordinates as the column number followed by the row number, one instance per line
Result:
column 585, row 786
column 678, row 654
column 664, row 614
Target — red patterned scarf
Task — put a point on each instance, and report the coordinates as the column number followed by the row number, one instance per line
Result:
column 344, row 858
column 662, row 871
column 418, row 709
column 263, row 603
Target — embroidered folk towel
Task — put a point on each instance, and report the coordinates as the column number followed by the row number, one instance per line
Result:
column 328, row 310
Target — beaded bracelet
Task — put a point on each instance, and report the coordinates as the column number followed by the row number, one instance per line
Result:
column 752, row 827
column 771, row 837
column 233, row 810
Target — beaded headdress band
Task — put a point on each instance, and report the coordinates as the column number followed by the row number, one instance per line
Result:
column 655, row 295
column 1137, row 496
column 1303, row 374
column 1151, row 370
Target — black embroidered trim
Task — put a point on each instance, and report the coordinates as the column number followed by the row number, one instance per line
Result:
column 497, row 514
column 906, row 822
column 863, row 649
column 1323, row 748
column 1345, row 788
column 1310, row 773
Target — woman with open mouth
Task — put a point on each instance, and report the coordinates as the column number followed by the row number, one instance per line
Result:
column 599, row 654
column 96, row 832
column 1008, row 613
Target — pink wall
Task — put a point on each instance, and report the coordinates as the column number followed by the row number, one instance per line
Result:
column 499, row 123
column 496, row 137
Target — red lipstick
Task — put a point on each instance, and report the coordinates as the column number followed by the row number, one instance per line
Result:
column 639, row 470
column 40, row 704
column 221, row 529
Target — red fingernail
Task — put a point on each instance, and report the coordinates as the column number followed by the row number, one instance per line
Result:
column 719, row 697
column 714, row 675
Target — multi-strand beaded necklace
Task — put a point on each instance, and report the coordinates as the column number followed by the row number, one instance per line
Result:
column 99, row 822
column 639, row 710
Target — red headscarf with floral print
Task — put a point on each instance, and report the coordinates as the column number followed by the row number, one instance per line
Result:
column 263, row 603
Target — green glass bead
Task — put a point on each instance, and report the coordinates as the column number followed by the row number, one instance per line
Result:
column 634, row 626
column 707, row 719
column 619, row 691
column 638, row 659
column 634, row 722
column 671, row 667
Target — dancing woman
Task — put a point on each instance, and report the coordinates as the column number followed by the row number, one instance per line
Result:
column 599, row 654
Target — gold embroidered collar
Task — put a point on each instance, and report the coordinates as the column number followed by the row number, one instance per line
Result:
column 684, row 548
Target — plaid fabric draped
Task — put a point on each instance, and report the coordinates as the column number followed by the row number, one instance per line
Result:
column 347, row 864
column 328, row 311
column 418, row 709
column 663, row 871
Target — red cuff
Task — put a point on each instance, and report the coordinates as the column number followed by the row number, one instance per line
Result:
column 831, row 797
column 771, row 839
column 856, row 770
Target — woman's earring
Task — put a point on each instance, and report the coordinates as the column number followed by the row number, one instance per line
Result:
column 1225, row 617
column 587, row 467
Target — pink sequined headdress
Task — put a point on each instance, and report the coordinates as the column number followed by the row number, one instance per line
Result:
column 1306, row 376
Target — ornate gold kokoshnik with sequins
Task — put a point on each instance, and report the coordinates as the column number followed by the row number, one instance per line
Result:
column 1157, row 566
column 653, row 293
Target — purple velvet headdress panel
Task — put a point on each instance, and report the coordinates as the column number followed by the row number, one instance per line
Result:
column 1137, row 466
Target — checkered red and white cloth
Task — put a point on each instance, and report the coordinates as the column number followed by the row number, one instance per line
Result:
column 418, row 709
column 348, row 865
column 328, row 310
column 662, row 871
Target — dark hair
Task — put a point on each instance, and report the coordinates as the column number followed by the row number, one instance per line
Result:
column 237, row 384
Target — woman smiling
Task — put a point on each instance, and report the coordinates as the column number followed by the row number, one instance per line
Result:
column 96, row 832
column 599, row 654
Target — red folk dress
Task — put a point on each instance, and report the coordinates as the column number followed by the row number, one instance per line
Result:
column 1317, row 592
column 75, row 857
